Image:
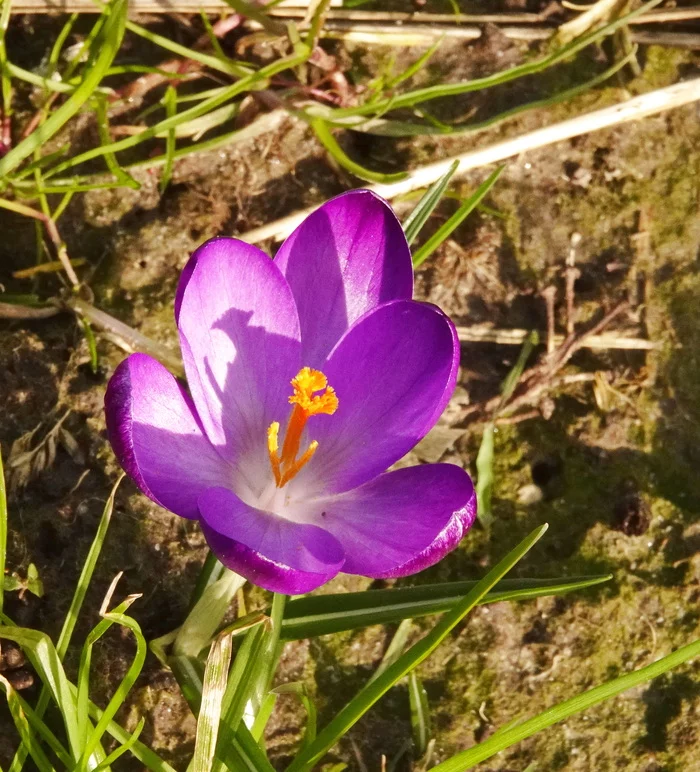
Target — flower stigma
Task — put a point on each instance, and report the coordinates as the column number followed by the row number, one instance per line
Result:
column 306, row 404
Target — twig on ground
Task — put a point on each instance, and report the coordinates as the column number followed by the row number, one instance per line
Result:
column 550, row 295
column 51, row 231
column 542, row 378
column 516, row 337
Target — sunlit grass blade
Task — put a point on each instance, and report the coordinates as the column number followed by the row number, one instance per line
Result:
column 418, row 96
column 120, row 750
column 23, row 729
column 170, row 111
column 516, row 372
column 395, row 648
column 105, row 49
column 328, row 141
column 40, row 728
column 504, row 739
column 466, row 208
column 213, row 62
column 94, row 736
column 300, row 690
column 485, row 475
column 253, row 81
column 426, row 206
column 206, row 616
column 3, row 531
column 215, row 677
column 103, row 129
column 151, row 760
column 45, row 660
column 387, row 127
column 368, row 695
column 5, row 81
column 324, row 614
column 420, row 713
column 86, row 573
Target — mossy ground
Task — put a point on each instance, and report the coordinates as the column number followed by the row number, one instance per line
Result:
column 507, row 661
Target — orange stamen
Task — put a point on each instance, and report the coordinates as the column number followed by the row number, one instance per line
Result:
column 306, row 404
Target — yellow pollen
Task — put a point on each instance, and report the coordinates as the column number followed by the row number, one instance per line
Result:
column 306, row 404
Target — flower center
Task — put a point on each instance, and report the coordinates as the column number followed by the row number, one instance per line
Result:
column 306, row 403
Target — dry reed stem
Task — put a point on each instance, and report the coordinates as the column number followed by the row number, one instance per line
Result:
column 634, row 109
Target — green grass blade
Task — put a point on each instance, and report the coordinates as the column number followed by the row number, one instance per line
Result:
column 170, row 112
column 86, row 573
column 420, row 713
column 214, row 63
column 445, row 231
column 45, row 660
column 323, row 614
column 5, row 81
column 101, row 57
column 397, row 128
column 426, row 206
column 251, row 82
column 151, row 760
column 516, row 373
column 215, row 678
column 328, row 141
column 368, row 695
column 505, row 738
column 3, row 531
column 418, row 96
column 121, row 749
column 42, row 730
column 23, row 729
column 485, row 476
column 115, row 617
column 204, row 619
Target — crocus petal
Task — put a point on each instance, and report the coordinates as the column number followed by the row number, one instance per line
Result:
column 346, row 258
column 270, row 551
column 402, row 521
column 239, row 334
column 394, row 372
column 157, row 437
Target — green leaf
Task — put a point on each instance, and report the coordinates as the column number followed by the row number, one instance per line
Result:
column 101, row 56
column 368, row 695
column 445, row 231
column 316, row 615
column 426, row 206
column 215, row 677
column 507, row 737
column 328, row 141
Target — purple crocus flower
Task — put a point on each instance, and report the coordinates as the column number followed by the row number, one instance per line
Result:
column 309, row 376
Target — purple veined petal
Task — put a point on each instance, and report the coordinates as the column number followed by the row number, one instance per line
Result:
column 275, row 553
column 345, row 259
column 402, row 521
column 239, row 334
column 394, row 372
column 157, row 437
